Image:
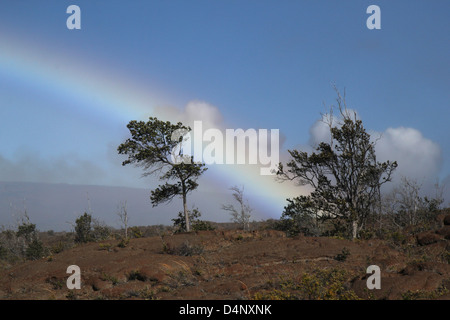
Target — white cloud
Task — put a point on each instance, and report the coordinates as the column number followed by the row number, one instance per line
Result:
column 207, row 113
column 417, row 157
column 194, row 110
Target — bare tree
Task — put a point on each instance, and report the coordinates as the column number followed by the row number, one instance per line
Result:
column 407, row 196
column 406, row 207
column 123, row 216
column 240, row 215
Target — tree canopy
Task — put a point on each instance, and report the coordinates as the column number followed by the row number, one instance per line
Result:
column 155, row 146
column 344, row 173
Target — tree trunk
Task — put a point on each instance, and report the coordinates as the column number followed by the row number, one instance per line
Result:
column 186, row 213
column 354, row 229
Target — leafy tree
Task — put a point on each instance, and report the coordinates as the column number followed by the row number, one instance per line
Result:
column 27, row 230
column 35, row 250
column 344, row 174
column 83, row 228
column 30, row 246
column 153, row 146
column 88, row 229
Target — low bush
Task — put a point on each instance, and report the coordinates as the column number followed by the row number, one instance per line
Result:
column 321, row 284
column 185, row 249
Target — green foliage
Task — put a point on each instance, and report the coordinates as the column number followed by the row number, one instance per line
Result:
column 135, row 232
column 100, row 232
column 136, row 275
column 56, row 283
column 27, row 242
column 83, row 228
column 23, row 243
column 3, row 253
column 201, row 225
column 397, row 238
column 196, row 224
column 185, row 249
column 406, row 210
column 425, row 295
column 26, row 230
column 321, row 284
column 110, row 278
column 35, row 250
column 343, row 255
column 300, row 216
column 88, row 229
column 62, row 245
column 153, row 145
column 123, row 243
column 274, row 294
column 344, row 174
column 105, row 246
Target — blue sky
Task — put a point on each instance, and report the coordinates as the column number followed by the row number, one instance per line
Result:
column 262, row 64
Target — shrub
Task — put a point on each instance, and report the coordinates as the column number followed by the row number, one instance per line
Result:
column 322, row 284
column 88, row 229
column 185, row 249
column 27, row 231
column 83, row 228
column 20, row 244
column 35, row 250
column 112, row 279
column 99, row 231
column 274, row 295
column 343, row 255
column 123, row 243
column 425, row 295
column 3, row 253
column 136, row 232
column 136, row 275
column 300, row 217
column 200, row 225
column 196, row 224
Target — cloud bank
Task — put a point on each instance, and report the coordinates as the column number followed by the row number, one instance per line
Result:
column 418, row 157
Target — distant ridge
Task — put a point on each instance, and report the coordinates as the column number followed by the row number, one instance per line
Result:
column 55, row 206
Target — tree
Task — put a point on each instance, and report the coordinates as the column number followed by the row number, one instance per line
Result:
column 83, row 228
column 89, row 229
column 406, row 208
column 240, row 215
column 33, row 248
column 344, row 173
column 123, row 216
column 153, row 146
column 196, row 224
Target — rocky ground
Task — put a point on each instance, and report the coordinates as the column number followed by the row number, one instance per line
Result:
column 233, row 264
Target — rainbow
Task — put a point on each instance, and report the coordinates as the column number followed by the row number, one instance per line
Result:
column 118, row 97
column 115, row 95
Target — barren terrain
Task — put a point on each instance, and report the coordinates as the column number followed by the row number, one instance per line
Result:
column 233, row 264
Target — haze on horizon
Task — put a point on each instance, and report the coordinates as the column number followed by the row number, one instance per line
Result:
column 67, row 95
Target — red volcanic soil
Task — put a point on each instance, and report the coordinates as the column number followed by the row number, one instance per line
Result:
column 234, row 264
